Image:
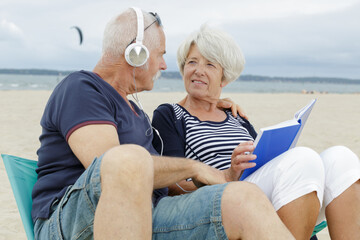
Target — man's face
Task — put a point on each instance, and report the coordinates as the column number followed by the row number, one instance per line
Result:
column 155, row 64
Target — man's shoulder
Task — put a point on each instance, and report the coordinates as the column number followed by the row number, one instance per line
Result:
column 80, row 81
column 79, row 77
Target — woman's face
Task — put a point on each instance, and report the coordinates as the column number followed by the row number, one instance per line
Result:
column 202, row 78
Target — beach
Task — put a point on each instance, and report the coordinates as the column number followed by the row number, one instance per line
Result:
column 333, row 121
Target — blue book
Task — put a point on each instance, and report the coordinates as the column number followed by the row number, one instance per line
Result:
column 275, row 140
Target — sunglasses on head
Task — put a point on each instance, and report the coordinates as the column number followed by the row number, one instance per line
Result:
column 157, row 20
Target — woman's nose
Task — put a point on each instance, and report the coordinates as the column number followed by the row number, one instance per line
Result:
column 199, row 70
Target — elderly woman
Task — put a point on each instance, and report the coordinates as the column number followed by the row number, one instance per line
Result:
column 302, row 185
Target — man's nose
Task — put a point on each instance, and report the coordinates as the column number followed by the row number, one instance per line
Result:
column 163, row 65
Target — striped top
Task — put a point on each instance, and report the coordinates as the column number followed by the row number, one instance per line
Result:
column 212, row 142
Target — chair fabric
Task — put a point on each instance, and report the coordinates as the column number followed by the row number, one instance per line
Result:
column 22, row 177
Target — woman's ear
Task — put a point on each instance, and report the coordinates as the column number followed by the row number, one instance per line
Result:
column 223, row 83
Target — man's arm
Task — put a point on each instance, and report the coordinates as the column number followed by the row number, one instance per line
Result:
column 92, row 141
column 170, row 170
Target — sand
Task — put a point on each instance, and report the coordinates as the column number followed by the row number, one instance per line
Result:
column 334, row 121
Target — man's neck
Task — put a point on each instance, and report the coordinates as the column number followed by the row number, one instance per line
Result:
column 119, row 76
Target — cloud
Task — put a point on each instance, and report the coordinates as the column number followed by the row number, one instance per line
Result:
column 9, row 31
column 324, row 44
column 278, row 37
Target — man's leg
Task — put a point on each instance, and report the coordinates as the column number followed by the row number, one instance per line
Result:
column 234, row 210
column 248, row 214
column 124, row 208
column 115, row 190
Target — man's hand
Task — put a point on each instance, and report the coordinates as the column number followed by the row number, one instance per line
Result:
column 227, row 103
column 170, row 170
column 240, row 160
column 206, row 175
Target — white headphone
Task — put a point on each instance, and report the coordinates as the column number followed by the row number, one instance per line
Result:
column 136, row 54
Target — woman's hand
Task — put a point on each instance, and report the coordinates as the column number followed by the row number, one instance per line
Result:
column 240, row 158
column 227, row 103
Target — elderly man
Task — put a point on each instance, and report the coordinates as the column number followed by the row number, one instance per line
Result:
column 98, row 170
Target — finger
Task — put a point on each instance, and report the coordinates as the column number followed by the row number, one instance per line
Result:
column 239, row 159
column 225, row 103
column 247, row 143
column 244, row 165
column 198, row 184
column 241, row 112
column 244, row 147
column 235, row 109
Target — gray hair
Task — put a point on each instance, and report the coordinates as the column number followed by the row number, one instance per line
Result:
column 216, row 46
column 122, row 29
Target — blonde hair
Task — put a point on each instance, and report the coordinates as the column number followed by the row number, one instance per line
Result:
column 216, row 46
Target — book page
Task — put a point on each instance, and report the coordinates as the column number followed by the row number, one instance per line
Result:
column 301, row 117
column 282, row 124
column 305, row 111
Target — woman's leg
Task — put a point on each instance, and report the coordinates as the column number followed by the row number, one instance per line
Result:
column 342, row 192
column 300, row 215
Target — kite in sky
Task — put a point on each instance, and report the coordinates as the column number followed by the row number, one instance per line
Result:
column 80, row 33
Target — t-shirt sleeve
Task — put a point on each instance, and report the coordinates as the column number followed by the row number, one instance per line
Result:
column 172, row 143
column 79, row 102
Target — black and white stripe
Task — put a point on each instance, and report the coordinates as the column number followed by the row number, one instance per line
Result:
column 212, row 142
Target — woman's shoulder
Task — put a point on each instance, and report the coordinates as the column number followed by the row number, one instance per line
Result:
column 171, row 108
column 238, row 118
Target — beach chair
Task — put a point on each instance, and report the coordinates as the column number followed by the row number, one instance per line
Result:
column 22, row 176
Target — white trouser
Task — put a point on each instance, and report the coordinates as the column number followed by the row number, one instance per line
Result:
column 301, row 170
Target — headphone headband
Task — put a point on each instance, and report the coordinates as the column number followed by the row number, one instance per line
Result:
column 140, row 25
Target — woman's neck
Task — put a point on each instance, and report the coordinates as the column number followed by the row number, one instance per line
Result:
column 205, row 110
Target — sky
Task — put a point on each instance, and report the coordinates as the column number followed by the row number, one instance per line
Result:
column 287, row 38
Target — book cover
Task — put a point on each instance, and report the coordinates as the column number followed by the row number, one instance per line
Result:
column 275, row 140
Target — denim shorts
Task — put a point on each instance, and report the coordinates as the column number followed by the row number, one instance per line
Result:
column 192, row 216
column 73, row 215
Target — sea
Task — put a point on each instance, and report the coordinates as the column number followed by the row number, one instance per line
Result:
column 48, row 82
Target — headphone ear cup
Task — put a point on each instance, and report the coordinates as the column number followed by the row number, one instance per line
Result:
column 136, row 54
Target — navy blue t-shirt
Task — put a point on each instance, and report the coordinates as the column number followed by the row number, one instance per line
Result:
column 82, row 98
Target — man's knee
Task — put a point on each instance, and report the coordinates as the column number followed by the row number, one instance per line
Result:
column 128, row 161
column 243, row 194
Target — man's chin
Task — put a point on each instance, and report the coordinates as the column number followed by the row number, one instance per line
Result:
column 150, row 87
column 157, row 76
